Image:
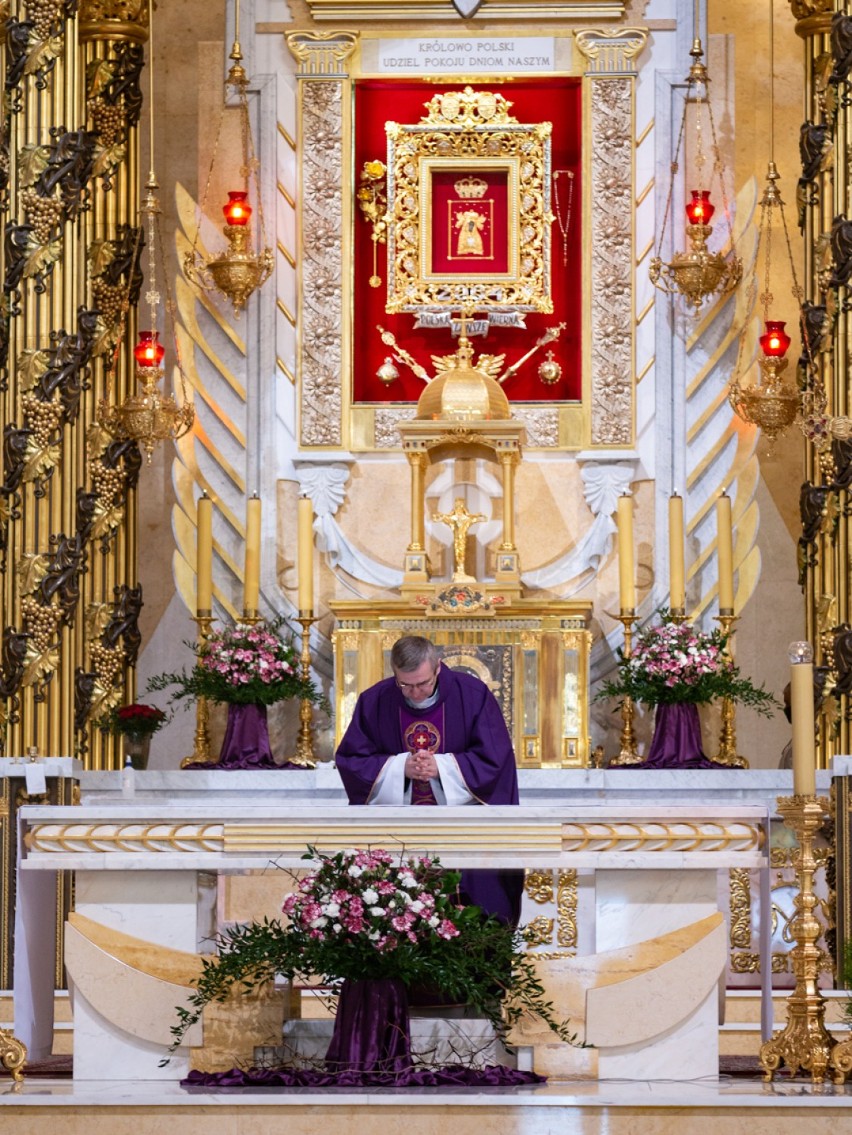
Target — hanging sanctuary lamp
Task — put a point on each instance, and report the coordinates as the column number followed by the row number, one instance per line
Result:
column 697, row 273
column 242, row 267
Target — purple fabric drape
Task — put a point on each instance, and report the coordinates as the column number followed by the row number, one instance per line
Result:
column 677, row 739
column 246, row 742
column 448, row 1075
column 371, row 1031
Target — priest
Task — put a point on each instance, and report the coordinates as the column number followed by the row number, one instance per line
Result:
column 429, row 736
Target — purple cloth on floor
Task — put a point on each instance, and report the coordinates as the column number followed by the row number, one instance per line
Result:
column 371, row 1031
column 448, row 1075
column 677, row 739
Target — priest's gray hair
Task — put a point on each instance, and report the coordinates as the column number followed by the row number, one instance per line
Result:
column 411, row 651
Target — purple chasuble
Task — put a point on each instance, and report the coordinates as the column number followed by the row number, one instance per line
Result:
column 473, row 730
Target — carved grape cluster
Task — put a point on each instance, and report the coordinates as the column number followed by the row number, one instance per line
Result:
column 107, row 662
column 43, row 418
column 107, row 482
column 40, row 621
column 45, row 15
column 108, row 121
column 108, row 300
column 43, row 213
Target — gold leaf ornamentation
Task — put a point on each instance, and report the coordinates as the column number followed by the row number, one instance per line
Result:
column 32, row 162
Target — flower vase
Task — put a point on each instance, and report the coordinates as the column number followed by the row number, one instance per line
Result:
column 677, row 738
column 137, row 748
column 246, row 741
column 371, row 1031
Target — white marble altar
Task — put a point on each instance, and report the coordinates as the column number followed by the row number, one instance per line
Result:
column 138, row 861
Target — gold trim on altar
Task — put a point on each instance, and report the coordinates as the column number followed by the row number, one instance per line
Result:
column 533, row 656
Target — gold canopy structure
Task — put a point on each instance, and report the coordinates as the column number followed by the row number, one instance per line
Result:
column 463, row 407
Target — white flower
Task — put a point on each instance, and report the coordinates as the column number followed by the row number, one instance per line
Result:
column 406, row 880
column 377, row 911
column 433, row 921
column 416, row 906
column 337, row 928
column 332, row 910
column 374, row 935
column 370, row 896
column 355, row 871
column 316, row 923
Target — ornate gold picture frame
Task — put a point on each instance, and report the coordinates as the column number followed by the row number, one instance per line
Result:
column 469, row 207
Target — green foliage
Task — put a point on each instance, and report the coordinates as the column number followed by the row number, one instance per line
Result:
column 478, row 961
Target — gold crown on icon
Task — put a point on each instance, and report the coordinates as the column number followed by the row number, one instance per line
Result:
column 471, row 187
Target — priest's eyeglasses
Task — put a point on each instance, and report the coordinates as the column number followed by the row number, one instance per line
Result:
column 410, row 687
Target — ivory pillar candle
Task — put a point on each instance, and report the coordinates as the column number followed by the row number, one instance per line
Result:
column 626, row 579
column 677, row 588
column 251, row 586
column 725, row 546
column 306, row 554
column 802, row 713
column 204, row 554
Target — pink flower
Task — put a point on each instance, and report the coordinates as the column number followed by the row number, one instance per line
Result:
column 447, row 930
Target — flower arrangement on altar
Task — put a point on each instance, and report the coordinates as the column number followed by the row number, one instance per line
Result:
column 370, row 917
column 673, row 663
column 134, row 721
column 242, row 664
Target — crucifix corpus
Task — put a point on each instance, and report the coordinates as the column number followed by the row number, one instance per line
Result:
column 460, row 521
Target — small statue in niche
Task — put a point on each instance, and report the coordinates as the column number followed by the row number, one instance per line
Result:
column 470, row 225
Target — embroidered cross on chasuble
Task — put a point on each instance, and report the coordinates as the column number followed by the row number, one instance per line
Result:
column 422, row 729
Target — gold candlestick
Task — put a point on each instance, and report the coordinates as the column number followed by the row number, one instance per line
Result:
column 804, row 1042
column 677, row 615
column 201, row 738
column 628, row 753
column 304, row 757
column 728, row 754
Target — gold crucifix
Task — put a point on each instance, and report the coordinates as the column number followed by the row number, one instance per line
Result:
column 460, row 521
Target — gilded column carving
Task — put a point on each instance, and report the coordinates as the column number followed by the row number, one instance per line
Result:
column 822, row 199
column 324, row 90
column 69, row 266
column 611, row 75
column 112, row 34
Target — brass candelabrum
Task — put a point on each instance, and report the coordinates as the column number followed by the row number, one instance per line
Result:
column 304, row 757
column 201, row 738
column 627, row 753
column 728, row 754
column 804, row 1042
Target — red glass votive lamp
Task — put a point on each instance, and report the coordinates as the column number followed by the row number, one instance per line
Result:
column 237, row 210
column 149, row 351
column 774, row 341
column 700, row 209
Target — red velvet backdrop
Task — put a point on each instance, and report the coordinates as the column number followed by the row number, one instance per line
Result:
column 533, row 100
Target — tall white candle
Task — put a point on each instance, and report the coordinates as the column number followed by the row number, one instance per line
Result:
column 802, row 713
column 725, row 546
column 677, row 572
column 306, row 554
column 626, row 578
column 251, row 574
column 204, row 554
